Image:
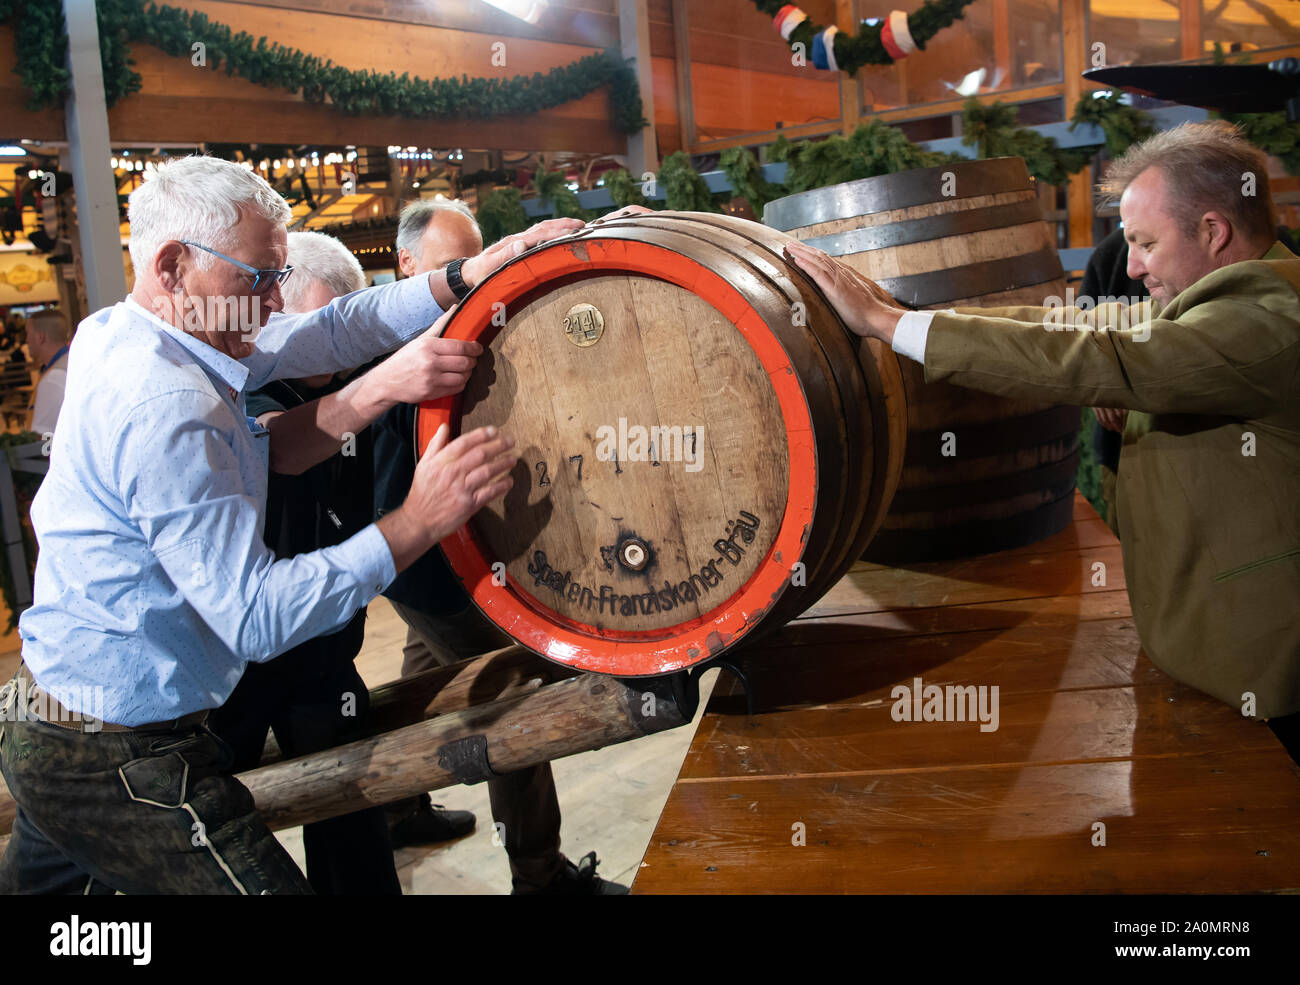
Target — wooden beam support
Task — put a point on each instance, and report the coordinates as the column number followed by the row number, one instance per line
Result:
column 442, row 690
column 1074, row 50
column 583, row 713
column 88, row 153
column 850, row 87
column 1002, row 39
column 1190, row 24
column 682, row 62
column 634, row 30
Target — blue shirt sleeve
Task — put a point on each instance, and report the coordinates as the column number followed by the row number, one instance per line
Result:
column 192, row 504
column 348, row 332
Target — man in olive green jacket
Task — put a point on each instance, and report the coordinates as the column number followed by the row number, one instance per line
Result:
column 1209, row 499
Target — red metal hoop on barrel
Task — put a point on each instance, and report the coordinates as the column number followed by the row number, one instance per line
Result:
column 512, row 607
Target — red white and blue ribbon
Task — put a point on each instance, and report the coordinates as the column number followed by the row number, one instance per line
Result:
column 823, row 49
column 896, row 36
column 787, row 19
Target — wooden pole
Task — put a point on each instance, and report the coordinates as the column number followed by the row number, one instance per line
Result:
column 496, row 709
column 576, row 715
column 441, row 690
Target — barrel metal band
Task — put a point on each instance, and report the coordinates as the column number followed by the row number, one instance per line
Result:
column 898, row 545
column 467, row 759
column 1052, row 481
column 924, row 186
column 975, row 279
column 999, row 437
column 923, row 230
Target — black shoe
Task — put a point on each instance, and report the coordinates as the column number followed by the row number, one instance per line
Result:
column 430, row 824
column 578, row 880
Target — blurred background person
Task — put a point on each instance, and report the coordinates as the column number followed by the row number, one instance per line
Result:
column 47, row 342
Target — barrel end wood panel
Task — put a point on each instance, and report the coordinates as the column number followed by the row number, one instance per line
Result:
column 700, row 450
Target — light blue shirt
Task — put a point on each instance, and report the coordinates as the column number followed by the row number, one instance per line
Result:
column 153, row 583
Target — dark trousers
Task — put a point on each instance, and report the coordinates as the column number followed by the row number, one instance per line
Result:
column 524, row 802
column 138, row 812
column 311, row 697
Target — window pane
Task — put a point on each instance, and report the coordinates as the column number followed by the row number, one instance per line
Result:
column 998, row 45
column 1141, row 31
column 1246, row 25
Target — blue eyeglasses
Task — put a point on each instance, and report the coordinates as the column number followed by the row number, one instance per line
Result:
column 263, row 280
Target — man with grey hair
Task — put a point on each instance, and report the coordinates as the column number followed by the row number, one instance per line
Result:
column 153, row 588
column 47, row 341
column 431, row 229
column 1208, row 498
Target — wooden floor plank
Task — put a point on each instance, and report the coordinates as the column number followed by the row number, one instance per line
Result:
column 1033, row 655
column 823, row 790
column 1033, row 728
column 1002, row 614
column 992, row 578
column 1183, row 824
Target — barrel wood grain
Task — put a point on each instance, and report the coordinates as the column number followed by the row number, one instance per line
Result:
column 982, row 473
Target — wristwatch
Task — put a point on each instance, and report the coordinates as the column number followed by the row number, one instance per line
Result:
column 455, row 281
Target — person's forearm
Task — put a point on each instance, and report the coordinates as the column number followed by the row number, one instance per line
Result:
column 311, row 433
column 408, row 539
column 440, row 290
column 349, row 331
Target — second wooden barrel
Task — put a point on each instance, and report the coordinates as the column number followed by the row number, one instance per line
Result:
column 982, row 473
column 704, row 447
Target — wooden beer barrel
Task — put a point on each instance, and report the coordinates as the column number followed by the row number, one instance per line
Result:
column 982, row 473
column 702, row 450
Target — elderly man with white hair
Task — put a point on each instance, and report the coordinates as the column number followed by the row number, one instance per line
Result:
column 312, row 696
column 154, row 590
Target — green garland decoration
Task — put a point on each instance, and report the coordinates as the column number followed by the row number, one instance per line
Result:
column 852, row 51
column 625, row 189
column 684, row 189
column 993, row 132
column 41, row 42
column 1121, row 123
column 873, row 149
column 501, row 214
column 746, row 176
column 550, row 186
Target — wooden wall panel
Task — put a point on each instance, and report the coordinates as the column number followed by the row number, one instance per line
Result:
column 730, row 101
column 427, row 52
column 180, row 102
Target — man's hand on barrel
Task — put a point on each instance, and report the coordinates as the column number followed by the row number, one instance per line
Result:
column 428, row 367
column 475, row 269
column 865, row 307
column 453, row 481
